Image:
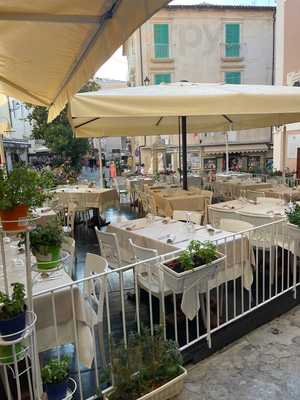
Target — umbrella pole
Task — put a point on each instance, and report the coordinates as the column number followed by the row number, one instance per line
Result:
column 227, row 152
column 284, row 150
column 184, row 153
column 100, row 163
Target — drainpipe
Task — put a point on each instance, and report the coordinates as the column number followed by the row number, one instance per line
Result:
column 273, row 63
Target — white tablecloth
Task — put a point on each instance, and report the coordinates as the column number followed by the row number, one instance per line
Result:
column 257, row 214
column 154, row 235
column 84, row 315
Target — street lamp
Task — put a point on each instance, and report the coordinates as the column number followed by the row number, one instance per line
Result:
column 147, row 81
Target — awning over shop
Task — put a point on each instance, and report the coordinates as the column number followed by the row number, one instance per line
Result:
column 51, row 48
column 240, row 148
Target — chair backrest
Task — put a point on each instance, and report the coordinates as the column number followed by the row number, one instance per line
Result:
column 274, row 201
column 253, row 194
column 152, row 208
column 109, row 247
column 142, row 253
column 69, row 246
column 151, row 269
column 70, row 218
column 95, row 288
column 194, row 216
column 216, row 214
column 235, row 226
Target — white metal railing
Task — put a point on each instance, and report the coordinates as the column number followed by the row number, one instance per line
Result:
column 267, row 251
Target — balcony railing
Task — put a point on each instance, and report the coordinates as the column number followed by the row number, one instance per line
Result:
column 267, row 251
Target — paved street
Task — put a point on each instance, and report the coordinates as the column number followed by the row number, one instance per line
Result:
column 264, row 365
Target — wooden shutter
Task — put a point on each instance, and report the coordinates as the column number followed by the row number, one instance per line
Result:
column 162, row 78
column 161, row 40
column 233, row 77
column 232, row 40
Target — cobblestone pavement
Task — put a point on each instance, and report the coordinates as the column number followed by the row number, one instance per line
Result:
column 264, row 365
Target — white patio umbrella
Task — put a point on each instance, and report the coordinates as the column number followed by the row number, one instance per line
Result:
column 154, row 110
column 50, row 48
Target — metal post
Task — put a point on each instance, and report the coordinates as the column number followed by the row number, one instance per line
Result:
column 179, row 149
column 100, row 163
column 284, row 149
column 227, row 152
column 184, row 153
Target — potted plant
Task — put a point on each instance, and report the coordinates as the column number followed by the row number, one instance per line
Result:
column 45, row 243
column 20, row 190
column 12, row 313
column 149, row 367
column 194, row 260
column 293, row 217
column 55, row 376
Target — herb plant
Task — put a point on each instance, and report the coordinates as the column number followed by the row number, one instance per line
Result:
column 12, row 306
column 293, row 214
column 198, row 253
column 44, row 236
column 22, row 186
column 145, row 364
column 56, row 370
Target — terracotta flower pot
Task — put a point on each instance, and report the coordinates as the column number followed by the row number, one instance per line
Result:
column 10, row 218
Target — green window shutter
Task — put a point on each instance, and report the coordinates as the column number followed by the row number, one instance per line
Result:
column 161, row 41
column 162, row 78
column 232, row 40
column 233, row 78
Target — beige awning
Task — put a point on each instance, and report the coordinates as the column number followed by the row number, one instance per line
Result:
column 240, row 148
column 154, row 110
column 50, row 48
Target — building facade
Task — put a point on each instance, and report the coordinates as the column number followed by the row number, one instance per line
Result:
column 287, row 73
column 16, row 140
column 206, row 44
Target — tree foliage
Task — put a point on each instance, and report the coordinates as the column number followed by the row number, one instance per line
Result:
column 58, row 135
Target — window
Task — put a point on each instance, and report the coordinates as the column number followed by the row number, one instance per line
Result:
column 232, row 40
column 232, row 78
column 162, row 78
column 161, row 41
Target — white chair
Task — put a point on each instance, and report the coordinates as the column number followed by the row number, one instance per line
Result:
column 69, row 246
column 195, row 216
column 95, row 291
column 109, row 248
column 95, row 288
column 216, row 214
column 70, row 219
column 253, row 195
column 234, row 226
column 149, row 276
column 272, row 201
column 121, row 190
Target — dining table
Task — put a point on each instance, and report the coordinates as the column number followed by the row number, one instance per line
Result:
column 256, row 212
column 170, row 236
column 282, row 192
column 233, row 188
column 51, row 304
column 87, row 197
column 193, row 200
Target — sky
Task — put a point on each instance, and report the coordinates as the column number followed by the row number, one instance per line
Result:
column 116, row 66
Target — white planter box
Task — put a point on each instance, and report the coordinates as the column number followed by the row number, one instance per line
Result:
column 177, row 281
column 168, row 391
column 293, row 231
